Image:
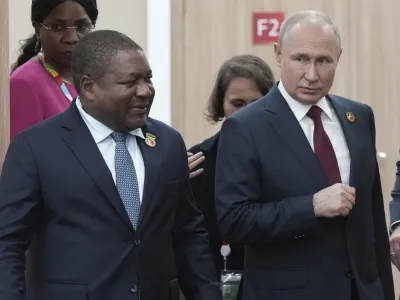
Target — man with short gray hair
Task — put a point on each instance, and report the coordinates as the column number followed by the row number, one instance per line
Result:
column 298, row 181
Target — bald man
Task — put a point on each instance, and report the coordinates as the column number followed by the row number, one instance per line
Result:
column 297, row 180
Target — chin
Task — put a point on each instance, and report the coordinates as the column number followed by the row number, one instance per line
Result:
column 65, row 61
column 137, row 124
column 309, row 99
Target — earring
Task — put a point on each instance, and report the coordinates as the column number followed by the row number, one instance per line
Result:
column 38, row 46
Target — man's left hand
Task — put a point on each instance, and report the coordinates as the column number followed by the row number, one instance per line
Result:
column 193, row 162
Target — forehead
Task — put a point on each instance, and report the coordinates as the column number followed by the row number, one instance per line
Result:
column 311, row 38
column 127, row 62
column 68, row 11
column 241, row 86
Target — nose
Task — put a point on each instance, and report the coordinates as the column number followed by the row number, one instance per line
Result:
column 71, row 36
column 311, row 73
column 144, row 90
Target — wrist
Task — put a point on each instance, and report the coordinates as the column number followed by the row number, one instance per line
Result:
column 315, row 205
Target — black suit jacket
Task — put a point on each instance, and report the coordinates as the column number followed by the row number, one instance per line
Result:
column 267, row 174
column 203, row 187
column 58, row 198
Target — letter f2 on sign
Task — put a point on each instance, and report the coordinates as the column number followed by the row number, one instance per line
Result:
column 266, row 27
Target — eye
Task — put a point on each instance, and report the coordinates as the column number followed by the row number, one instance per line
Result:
column 83, row 27
column 128, row 83
column 323, row 60
column 148, row 79
column 57, row 27
column 238, row 103
column 300, row 59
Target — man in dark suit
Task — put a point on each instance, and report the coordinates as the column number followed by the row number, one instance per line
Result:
column 297, row 180
column 100, row 194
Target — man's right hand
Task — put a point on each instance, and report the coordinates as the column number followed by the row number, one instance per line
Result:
column 395, row 246
column 336, row 200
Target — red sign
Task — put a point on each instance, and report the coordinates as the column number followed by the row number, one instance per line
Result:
column 266, row 27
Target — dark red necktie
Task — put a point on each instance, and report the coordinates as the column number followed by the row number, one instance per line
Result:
column 323, row 147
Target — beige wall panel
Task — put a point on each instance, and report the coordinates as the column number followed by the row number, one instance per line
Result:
column 369, row 69
column 4, row 83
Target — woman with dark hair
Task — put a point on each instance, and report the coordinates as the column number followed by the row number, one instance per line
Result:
column 41, row 82
column 240, row 81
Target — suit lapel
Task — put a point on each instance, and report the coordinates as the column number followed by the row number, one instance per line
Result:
column 79, row 139
column 286, row 125
column 351, row 135
column 152, row 161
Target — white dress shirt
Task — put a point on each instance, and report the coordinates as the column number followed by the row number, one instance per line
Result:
column 331, row 125
column 102, row 136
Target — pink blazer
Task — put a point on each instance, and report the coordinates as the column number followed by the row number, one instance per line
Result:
column 34, row 96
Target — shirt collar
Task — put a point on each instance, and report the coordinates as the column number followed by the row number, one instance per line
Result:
column 98, row 130
column 300, row 109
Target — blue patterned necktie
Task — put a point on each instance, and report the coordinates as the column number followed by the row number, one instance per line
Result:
column 126, row 179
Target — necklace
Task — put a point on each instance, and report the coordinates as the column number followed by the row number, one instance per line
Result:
column 56, row 76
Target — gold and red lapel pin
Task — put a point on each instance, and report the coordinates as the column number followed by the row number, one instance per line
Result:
column 150, row 140
column 350, row 117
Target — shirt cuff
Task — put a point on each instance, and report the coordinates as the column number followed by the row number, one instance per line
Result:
column 394, row 225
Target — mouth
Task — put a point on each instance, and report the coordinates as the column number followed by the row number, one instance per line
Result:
column 140, row 109
column 67, row 53
column 309, row 90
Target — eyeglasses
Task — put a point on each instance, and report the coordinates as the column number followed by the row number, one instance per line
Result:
column 61, row 29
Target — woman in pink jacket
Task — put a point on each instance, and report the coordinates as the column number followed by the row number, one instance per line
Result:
column 41, row 83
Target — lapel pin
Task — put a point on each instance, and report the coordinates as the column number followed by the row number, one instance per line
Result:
column 150, row 140
column 350, row 117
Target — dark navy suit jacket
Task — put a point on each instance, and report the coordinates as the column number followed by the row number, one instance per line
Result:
column 58, row 198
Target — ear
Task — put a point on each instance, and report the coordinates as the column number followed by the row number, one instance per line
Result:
column 36, row 26
column 277, row 50
column 87, row 88
column 340, row 53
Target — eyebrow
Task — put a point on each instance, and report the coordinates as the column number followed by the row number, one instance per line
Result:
column 307, row 55
column 298, row 54
column 136, row 74
column 241, row 99
column 65, row 21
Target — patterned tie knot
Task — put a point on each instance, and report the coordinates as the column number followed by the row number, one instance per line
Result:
column 315, row 113
column 119, row 137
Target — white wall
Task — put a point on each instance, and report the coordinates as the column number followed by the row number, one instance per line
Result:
column 159, row 55
column 20, row 25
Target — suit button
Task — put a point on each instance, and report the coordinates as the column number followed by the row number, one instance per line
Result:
column 133, row 288
column 348, row 273
column 137, row 243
